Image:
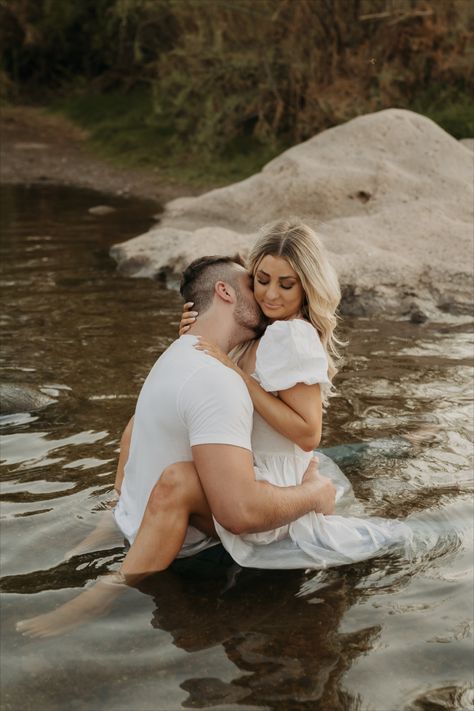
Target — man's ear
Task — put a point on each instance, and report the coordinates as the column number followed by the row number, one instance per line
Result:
column 224, row 291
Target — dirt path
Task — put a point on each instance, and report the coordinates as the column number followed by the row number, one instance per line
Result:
column 37, row 147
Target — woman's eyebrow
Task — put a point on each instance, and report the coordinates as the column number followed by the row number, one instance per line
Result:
column 290, row 276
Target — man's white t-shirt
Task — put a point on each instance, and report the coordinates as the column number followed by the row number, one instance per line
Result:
column 188, row 398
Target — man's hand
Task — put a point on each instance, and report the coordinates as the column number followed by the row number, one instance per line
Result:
column 322, row 489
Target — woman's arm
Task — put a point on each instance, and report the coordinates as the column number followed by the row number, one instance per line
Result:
column 296, row 413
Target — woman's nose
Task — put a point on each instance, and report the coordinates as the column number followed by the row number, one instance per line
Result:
column 272, row 291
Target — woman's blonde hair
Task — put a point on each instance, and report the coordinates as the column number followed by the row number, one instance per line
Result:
column 299, row 245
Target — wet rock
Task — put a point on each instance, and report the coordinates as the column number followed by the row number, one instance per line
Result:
column 133, row 266
column 101, row 210
column 18, row 397
column 418, row 316
column 391, row 194
column 444, row 698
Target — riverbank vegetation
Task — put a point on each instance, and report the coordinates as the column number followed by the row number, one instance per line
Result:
column 210, row 90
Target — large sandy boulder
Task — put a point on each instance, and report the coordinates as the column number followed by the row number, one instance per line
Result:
column 391, row 194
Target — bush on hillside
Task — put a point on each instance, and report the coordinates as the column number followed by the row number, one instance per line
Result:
column 217, row 70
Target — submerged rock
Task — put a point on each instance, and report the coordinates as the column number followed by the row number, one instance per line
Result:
column 391, row 194
column 18, row 397
column 101, row 210
column 417, row 315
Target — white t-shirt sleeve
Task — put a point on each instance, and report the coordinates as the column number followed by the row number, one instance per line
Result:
column 216, row 408
column 290, row 352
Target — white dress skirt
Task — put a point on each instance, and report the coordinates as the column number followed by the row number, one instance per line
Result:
column 290, row 352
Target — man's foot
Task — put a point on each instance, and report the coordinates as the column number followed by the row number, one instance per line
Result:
column 87, row 606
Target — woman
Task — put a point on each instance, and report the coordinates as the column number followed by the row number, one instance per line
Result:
column 288, row 373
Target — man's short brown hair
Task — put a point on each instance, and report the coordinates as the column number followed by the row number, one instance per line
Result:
column 199, row 278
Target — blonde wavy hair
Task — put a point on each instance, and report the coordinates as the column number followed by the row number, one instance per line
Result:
column 297, row 243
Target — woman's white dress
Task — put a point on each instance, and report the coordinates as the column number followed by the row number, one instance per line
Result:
column 291, row 352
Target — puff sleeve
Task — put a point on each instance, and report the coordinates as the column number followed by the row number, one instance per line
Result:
column 290, row 352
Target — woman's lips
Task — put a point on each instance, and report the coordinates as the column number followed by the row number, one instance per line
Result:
column 271, row 306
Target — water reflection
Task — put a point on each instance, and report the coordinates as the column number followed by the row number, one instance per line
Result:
column 286, row 645
column 386, row 634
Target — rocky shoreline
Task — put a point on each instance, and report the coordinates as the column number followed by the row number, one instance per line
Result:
column 38, row 147
column 391, row 194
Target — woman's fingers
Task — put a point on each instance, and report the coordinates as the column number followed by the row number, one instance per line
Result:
column 187, row 318
column 187, row 306
column 187, row 309
column 185, row 324
column 214, row 351
column 205, row 346
column 209, row 348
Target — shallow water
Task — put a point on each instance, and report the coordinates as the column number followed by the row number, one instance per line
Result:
column 383, row 635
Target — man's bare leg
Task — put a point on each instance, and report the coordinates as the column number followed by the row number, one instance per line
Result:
column 106, row 531
column 176, row 499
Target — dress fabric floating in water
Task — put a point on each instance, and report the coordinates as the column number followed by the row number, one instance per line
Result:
column 290, row 352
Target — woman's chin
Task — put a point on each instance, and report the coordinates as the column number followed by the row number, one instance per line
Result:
column 277, row 315
column 273, row 314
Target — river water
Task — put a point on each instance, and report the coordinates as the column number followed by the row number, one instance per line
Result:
column 384, row 635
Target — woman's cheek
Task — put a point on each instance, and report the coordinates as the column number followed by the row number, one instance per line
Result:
column 257, row 292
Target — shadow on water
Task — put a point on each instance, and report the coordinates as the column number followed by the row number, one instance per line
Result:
column 391, row 633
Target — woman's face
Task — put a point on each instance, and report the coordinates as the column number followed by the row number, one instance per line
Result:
column 277, row 289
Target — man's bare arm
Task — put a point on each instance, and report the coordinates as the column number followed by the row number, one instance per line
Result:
column 243, row 505
column 123, row 455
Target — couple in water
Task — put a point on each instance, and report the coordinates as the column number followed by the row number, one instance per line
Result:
column 218, row 460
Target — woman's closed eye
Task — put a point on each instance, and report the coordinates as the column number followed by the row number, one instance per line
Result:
column 283, row 286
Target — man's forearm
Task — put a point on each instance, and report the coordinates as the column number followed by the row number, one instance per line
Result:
column 272, row 506
column 242, row 504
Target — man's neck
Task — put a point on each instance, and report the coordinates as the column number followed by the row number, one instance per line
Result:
column 223, row 333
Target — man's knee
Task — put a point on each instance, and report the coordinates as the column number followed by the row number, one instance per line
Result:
column 169, row 491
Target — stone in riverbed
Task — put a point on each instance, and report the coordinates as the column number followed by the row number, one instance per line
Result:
column 417, row 315
column 391, row 194
column 101, row 210
column 19, row 397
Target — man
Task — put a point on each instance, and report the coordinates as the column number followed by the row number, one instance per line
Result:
column 193, row 409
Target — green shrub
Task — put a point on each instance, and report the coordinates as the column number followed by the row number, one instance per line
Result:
column 236, row 79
